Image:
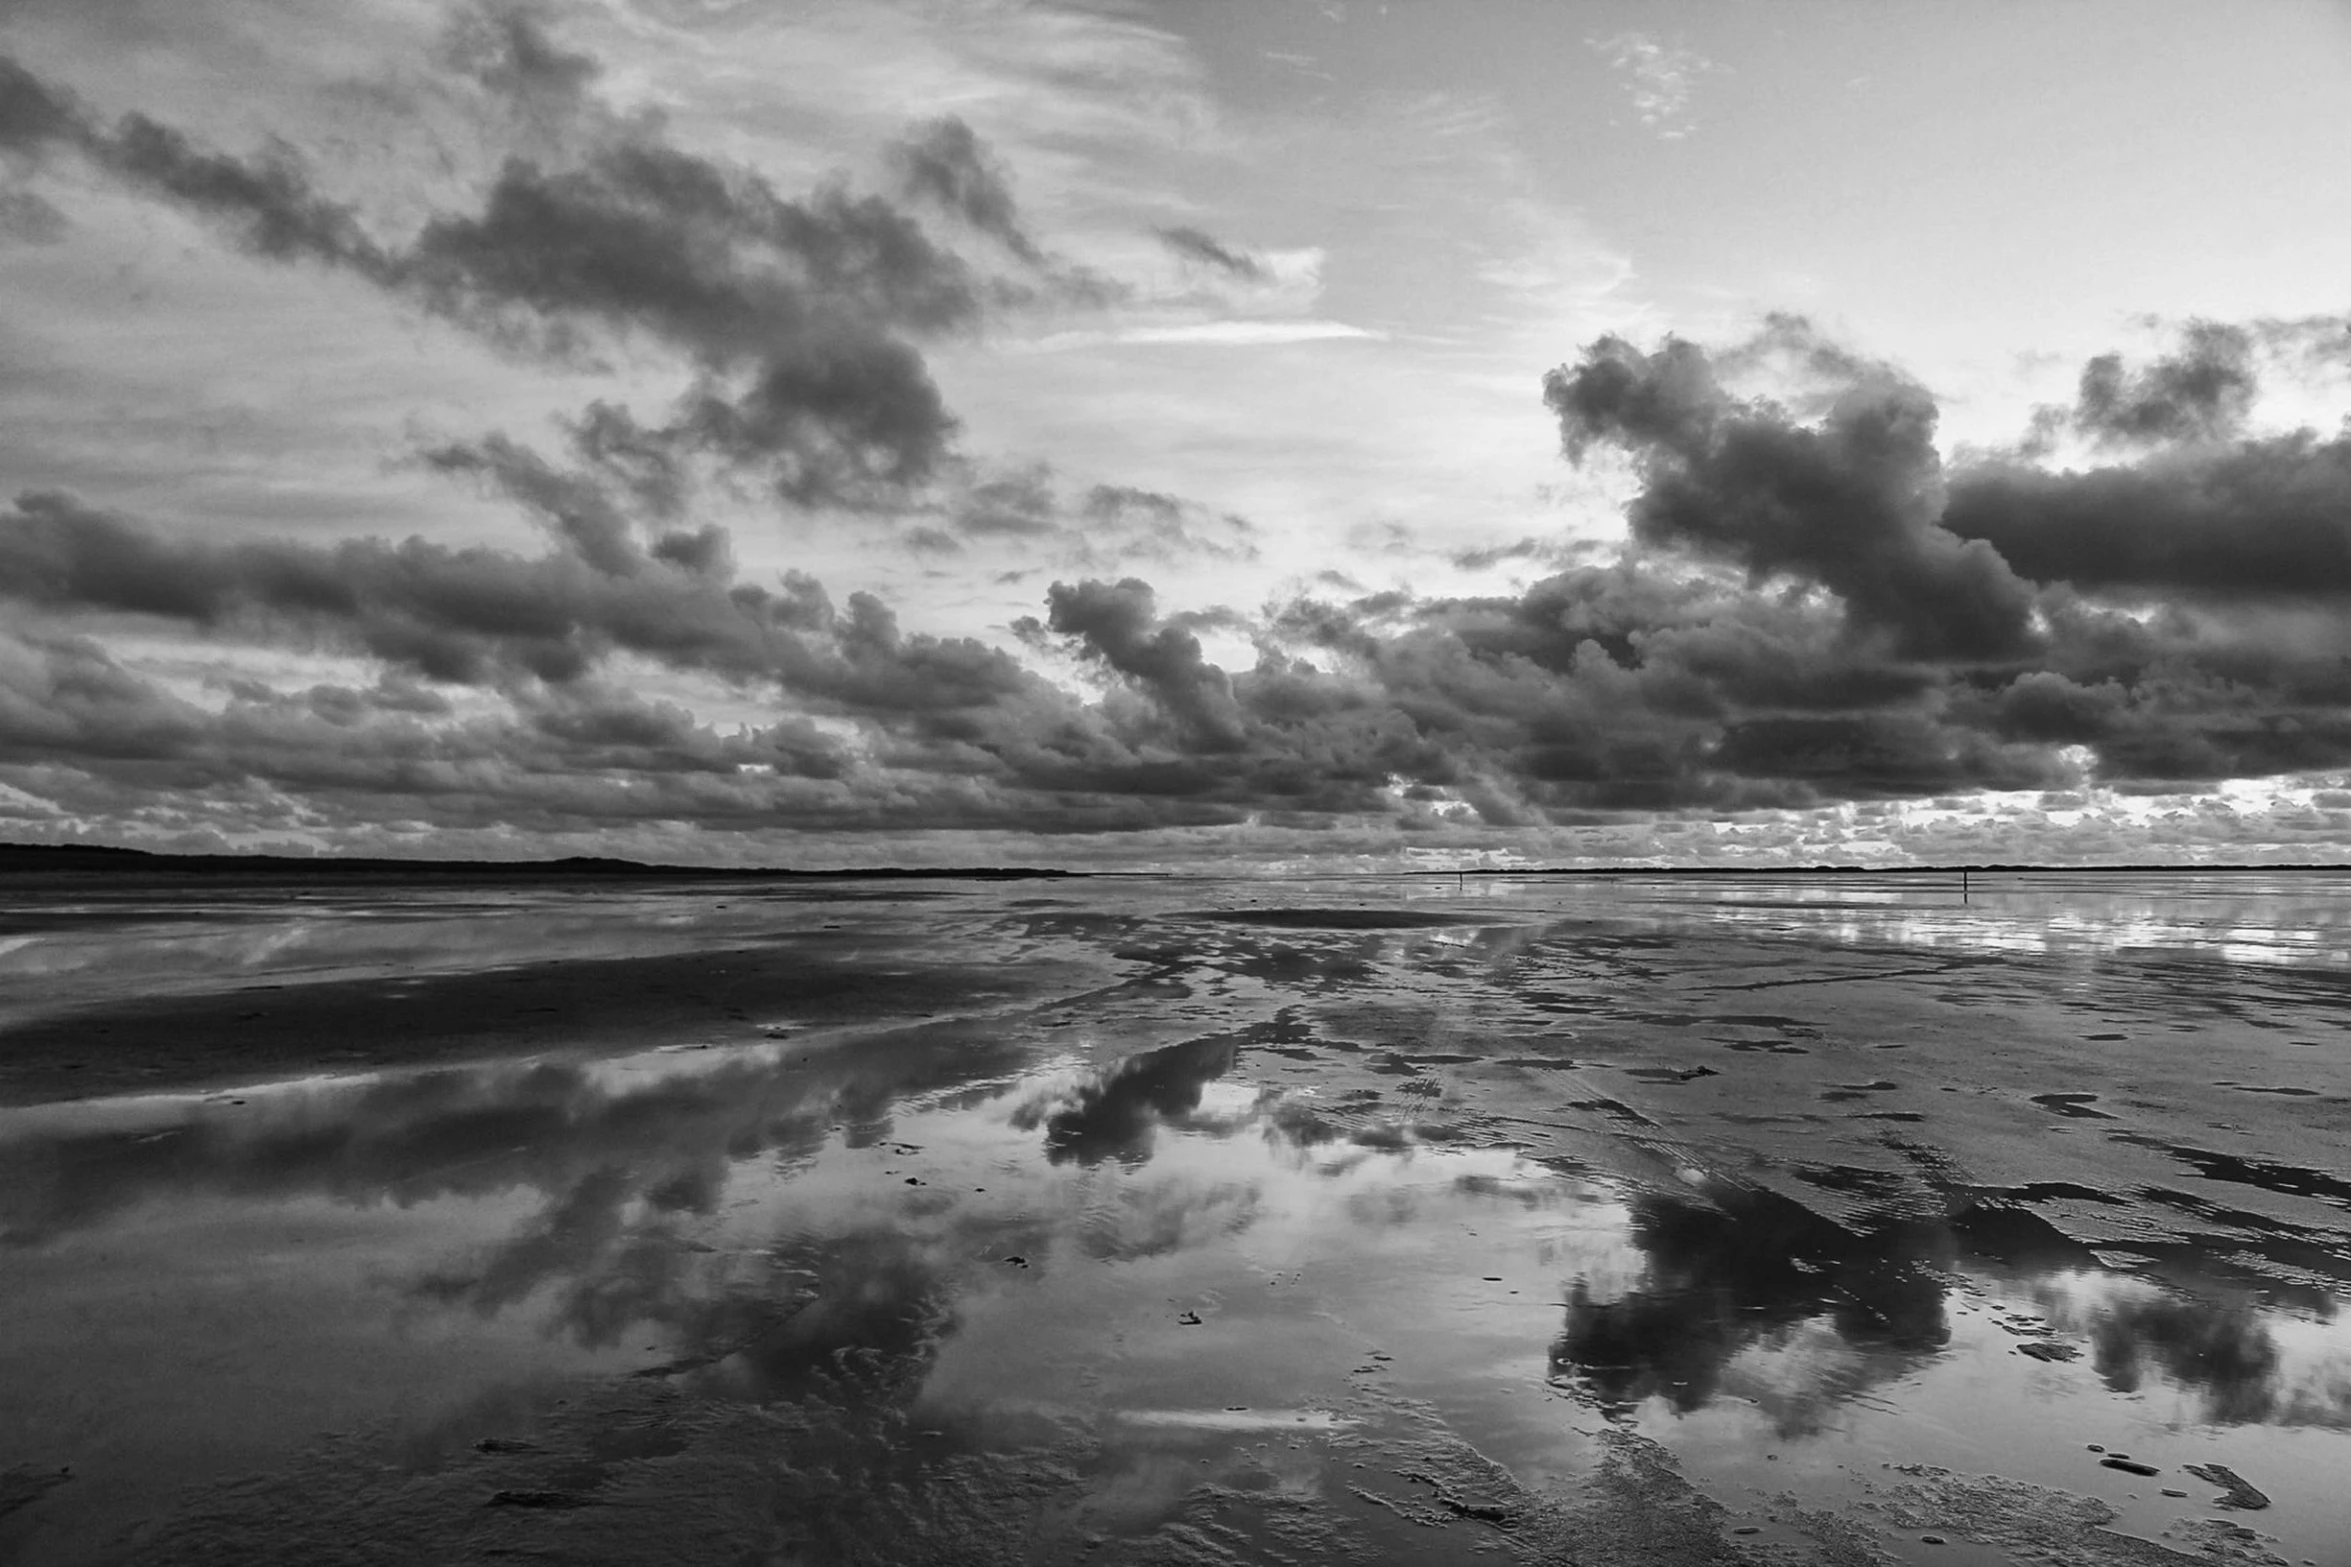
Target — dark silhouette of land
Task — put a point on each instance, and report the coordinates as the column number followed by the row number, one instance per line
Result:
column 23, row 859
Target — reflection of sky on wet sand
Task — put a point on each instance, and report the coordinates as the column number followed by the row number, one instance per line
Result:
column 54, row 952
column 2243, row 917
column 721, row 1222
column 1245, row 1256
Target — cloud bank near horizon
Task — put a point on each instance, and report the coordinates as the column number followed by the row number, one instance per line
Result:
column 1820, row 631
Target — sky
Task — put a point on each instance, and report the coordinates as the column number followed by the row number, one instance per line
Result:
column 1261, row 436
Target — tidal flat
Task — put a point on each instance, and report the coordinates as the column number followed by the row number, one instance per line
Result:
column 1622, row 1219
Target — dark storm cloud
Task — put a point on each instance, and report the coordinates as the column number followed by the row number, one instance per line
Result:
column 949, row 732
column 799, row 315
column 945, row 164
column 1119, row 625
column 33, row 115
column 1197, row 246
column 2202, row 392
column 266, row 202
column 643, row 237
column 1853, row 504
column 489, row 617
column 580, row 511
column 103, row 739
column 847, row 420
column 2256, row 518
column 1816, row 611
column 2013, row 602
column 1625, row 688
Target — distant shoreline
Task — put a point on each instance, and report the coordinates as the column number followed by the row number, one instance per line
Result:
column 57, row 859
column 92, row 859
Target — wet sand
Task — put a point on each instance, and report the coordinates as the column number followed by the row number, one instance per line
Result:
column 1767, row 1220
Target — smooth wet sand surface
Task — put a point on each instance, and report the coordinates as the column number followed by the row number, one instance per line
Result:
column 1627, row 1220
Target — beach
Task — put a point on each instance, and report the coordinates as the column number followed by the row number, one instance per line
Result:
column 1734, row 1219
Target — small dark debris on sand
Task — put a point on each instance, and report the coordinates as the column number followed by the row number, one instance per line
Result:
column 2128, row 1466
column 2236, row 1490
column 2047, row 1349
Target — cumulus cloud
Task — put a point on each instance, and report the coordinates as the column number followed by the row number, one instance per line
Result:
column 2257, row 518
column 1853, row 504
column 488, row 617
column 1807, row 620
column 798, row 316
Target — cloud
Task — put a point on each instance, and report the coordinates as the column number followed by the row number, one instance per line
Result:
column 508, row 51
column 1817, row 612
column 1793, row 631
column 1195, row 245
column 943, row 163
column 481, row 616
column 1103, row 527
column 1119, row 625
column 2259, row 518
column 798, row 316
column 2203, row 392
column 1853, row 504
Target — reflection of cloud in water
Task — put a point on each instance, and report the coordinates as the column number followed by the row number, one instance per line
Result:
column 770, row 1223
column 868, row 1320
column 674, row 1125
column 2282, row 920
column 2223, row 1352
column 1724, row 1272
column 1113, row 1115
column 2242, row 1365
column 1751, row 1292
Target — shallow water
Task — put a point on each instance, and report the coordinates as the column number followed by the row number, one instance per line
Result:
column 1150, row 1220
